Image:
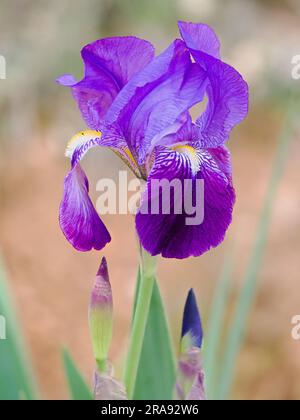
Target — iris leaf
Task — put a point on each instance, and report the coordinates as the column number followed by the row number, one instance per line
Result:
column 16, row 379
column 156, row 372
column 79, row 390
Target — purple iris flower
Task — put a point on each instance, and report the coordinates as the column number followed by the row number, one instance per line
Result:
column 139, row 106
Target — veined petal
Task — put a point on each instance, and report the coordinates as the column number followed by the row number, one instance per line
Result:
column 83, row 141
column 222, row 157
column 170, row 234
column 109, row 64
column 154, row 100
column 227, row 91
column 78, row 218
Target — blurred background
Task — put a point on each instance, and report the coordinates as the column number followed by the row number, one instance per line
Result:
column 49, row 281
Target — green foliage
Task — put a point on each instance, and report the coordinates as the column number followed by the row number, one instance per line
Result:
column 16, row 380
column 156, row 373
column 79, row 390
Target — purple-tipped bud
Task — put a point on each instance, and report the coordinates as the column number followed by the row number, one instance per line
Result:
column 101, row 315
column 192, row 327
column 190, row 379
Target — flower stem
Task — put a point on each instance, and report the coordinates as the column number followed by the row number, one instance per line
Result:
column 147, row 279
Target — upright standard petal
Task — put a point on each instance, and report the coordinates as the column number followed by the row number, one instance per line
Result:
column 180, row 232
column 154, row 100
column 78, row 218
column 226, row 90
column 109, row 64
column 200, row 37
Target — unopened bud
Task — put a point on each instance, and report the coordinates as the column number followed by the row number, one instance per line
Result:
column 101, row 316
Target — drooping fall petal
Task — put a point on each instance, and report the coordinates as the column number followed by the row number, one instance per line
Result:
column 180, row 176
column 78, row 218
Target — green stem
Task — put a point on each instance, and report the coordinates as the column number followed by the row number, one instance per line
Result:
column 147, row 279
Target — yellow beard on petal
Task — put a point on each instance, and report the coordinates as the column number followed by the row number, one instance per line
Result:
column 129, row 154
column 191, row 153
column 80, row 138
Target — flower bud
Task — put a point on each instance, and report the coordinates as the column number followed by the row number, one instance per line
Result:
column 101, row 316
column 192, row 333
column 190, row 378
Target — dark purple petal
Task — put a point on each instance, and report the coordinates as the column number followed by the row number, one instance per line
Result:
column 78, row 218
column 103, row 270
column 109, row 64
column 222, row 157
column 227, row 91
column 191, row 320
column 102, row 293
column 169, row 234
column 154, row 100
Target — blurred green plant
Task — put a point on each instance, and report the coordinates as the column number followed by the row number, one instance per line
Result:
column 79, row 390
column 16, row 378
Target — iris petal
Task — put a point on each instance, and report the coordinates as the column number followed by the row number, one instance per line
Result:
column 227, row 91
column 154, row 100
column 78, row 218
column 169, row 234
column 109, row 64
column 200, row 37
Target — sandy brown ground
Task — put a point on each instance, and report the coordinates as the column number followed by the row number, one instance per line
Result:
column 51, row 282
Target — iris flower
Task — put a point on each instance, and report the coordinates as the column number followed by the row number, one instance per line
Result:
column 138, row 105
